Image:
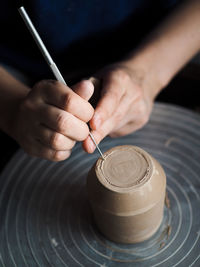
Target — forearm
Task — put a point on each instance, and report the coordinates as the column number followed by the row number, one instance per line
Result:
column 11, row 93
column 169, row 47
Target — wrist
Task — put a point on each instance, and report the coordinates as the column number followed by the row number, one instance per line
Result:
column 10, row 122
column 12, row 92
column 144, row 73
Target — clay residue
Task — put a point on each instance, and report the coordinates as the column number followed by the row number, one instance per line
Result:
column 169, row 141
column 167, row 201
column 166, row 233
column 169, row 230
column 162, row 245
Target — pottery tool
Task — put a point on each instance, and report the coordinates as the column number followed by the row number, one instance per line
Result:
column 48, row 57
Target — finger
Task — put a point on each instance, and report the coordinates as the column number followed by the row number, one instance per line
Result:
column 98, row 135
column 135, row 119
column 129, row 128
column 126, row 129
column 118, row 118
column 63, row 123
column 54, row 140
column 57, row 94
column 84, row 89
column 106, row 129
column 112, row 93
column 121, row 117
column 39, row 150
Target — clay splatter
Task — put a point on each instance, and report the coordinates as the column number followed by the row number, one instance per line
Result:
column 167, row 201
column 169, row 230
column 169, row 141
column 162, row 245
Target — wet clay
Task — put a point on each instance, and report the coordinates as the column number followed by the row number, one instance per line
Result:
column 126, row 191
column 124, row 167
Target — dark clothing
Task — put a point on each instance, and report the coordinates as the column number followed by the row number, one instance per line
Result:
column 78, row 34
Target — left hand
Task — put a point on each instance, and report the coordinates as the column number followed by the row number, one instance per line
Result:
column 124, row 106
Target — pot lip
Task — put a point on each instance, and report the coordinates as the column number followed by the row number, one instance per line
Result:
column 136, row 187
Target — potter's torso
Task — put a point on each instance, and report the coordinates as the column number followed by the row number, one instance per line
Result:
column 83, row 33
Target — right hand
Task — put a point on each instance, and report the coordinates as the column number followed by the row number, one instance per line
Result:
column 52, row 118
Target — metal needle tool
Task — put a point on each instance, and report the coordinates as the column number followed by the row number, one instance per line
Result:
column 47, row 56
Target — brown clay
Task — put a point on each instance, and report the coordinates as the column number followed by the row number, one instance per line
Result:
column 127, row 192
column 167, row 201
column 169, row 230
column 162, row 245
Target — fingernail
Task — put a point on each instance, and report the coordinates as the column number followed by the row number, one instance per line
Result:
column 97, row 120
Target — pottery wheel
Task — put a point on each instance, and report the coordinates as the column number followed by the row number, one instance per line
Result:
column 45, row 218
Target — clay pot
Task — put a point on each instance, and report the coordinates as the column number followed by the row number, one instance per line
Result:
column 126, row 191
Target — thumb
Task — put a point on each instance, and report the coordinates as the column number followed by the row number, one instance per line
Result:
column 84, row 89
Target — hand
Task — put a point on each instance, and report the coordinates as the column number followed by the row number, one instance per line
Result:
column 52, row 118
column 124, row 106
